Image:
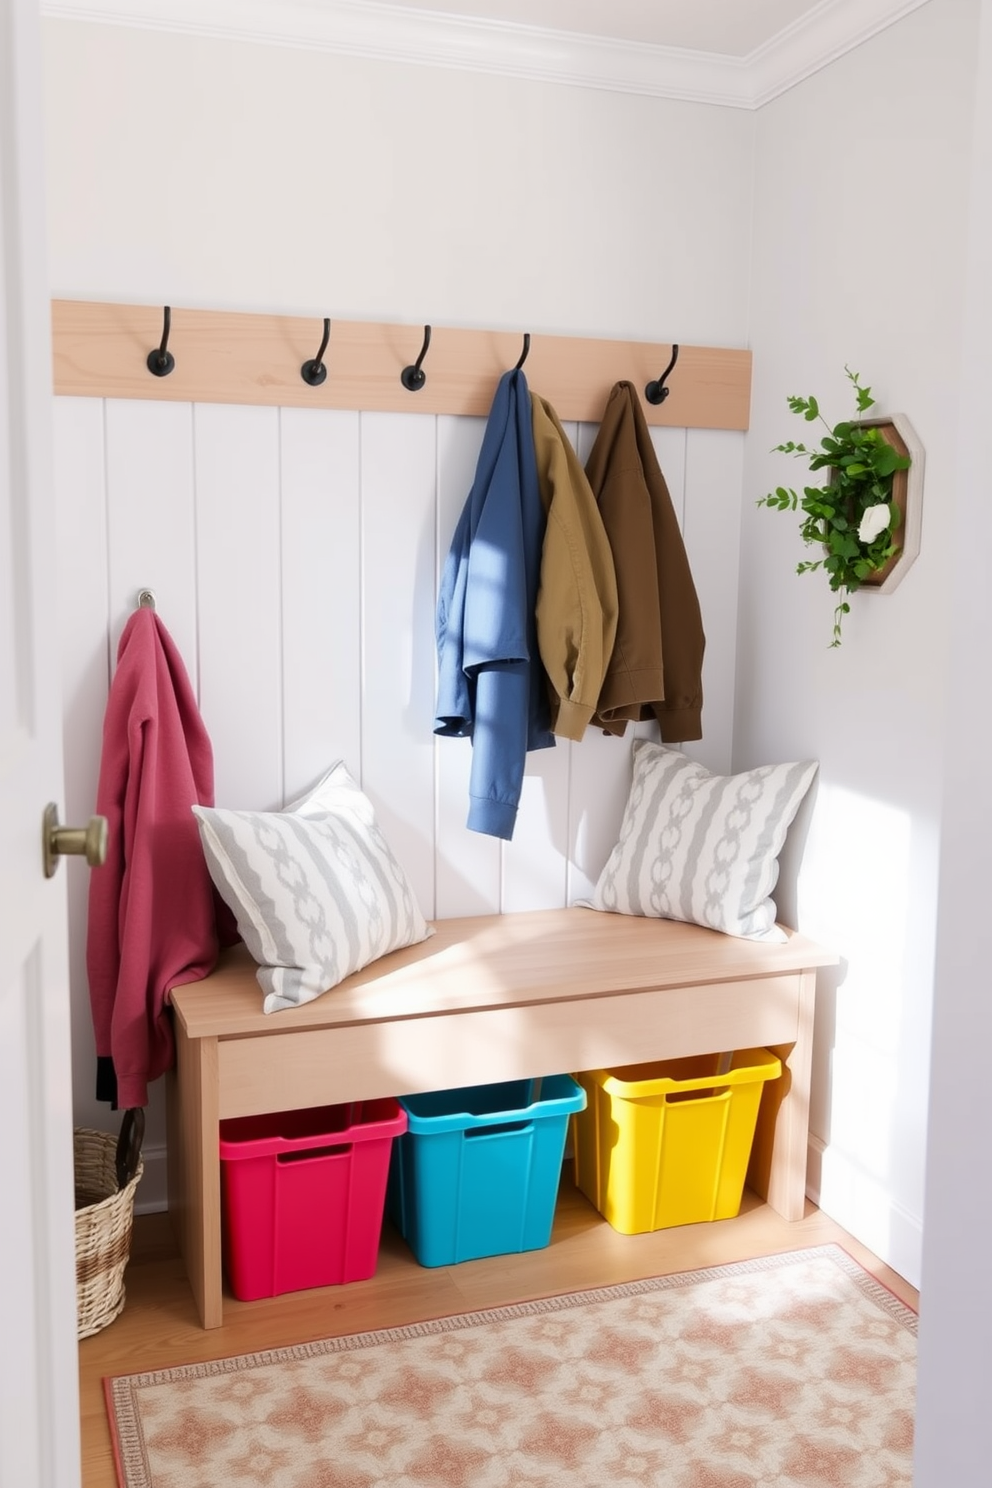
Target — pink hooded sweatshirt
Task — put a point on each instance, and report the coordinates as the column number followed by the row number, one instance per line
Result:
column 153, row 921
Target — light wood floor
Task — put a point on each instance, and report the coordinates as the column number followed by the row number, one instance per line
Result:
column 158, row 1327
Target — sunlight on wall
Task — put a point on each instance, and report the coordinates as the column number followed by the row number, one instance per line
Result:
column 854, row 894
column 855, row 890
column 865, row 1092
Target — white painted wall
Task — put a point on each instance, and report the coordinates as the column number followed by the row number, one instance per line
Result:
column 860, row 226
column 955, row 1375
column 230, row 175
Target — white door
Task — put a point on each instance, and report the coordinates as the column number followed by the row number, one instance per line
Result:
column 39, row 1403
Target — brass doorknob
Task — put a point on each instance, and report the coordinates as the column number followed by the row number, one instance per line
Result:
column 90, row 840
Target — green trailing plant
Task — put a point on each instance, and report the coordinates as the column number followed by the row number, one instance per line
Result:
column 851, row 517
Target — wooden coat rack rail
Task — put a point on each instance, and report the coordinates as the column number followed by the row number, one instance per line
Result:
column 101, row 350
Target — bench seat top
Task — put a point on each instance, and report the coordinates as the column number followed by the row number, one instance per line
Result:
column 497, row 961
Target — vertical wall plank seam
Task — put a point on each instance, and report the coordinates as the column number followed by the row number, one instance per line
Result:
column 683, row 486
column 281, row 570
column 360, row 433
column 685, row 479
column 197, row 631
column 106, row 536
column 573, row 431
column 196, row 557
column 691, row 451
column 436, row 772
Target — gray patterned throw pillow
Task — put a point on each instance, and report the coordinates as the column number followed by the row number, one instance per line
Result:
column 316, row 891
column 699, row 847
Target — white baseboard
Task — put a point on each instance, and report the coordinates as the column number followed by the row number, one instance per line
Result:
column 152, row 1194
column 838, row 1186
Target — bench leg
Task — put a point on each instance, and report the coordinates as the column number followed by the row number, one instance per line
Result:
column 194, row 1170
column 778, row 1160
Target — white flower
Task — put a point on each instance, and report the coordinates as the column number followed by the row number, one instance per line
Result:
column 874, row 521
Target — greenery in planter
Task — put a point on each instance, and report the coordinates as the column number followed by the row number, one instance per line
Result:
column 852, row 516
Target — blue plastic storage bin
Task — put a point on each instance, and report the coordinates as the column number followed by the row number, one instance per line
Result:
column 476, row 1172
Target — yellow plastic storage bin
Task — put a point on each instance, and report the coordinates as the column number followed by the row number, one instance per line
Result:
column 668, row 1143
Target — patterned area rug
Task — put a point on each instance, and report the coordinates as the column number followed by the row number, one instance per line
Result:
column 794, row 1371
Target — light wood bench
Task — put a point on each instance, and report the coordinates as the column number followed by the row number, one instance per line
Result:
column 488, row 998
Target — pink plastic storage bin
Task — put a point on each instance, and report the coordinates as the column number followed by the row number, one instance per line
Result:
column 303, row 1195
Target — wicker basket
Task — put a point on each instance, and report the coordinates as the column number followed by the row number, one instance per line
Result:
column 103, row 1229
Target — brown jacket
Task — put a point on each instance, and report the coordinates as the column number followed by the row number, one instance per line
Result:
column 577, row 601
column 656, row 667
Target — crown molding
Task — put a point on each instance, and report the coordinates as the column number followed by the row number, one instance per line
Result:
column 823, row 35
column 384, row 32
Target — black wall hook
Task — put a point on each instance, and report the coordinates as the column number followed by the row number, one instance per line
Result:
column 523, row 354
column 657, row 392
column 413, row 378
column 161, row 362
column 315, row 372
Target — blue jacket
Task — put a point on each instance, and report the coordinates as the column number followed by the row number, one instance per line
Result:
column 491, row 685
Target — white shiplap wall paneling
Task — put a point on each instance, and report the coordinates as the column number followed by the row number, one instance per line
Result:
column 295, row 555
column 239, row 596
column 714, row 480
column 150, row 517
column 81, row 590
column 599, row 788
column 535, row 863
column 468, row 863
column 670, row 447
column 399, row 584
column 321, row 594
column 600, row 764
column 151, row 529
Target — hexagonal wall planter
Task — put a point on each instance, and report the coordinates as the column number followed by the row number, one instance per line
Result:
column 907, row 495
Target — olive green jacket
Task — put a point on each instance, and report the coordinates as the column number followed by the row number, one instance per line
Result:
column 577, row 599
